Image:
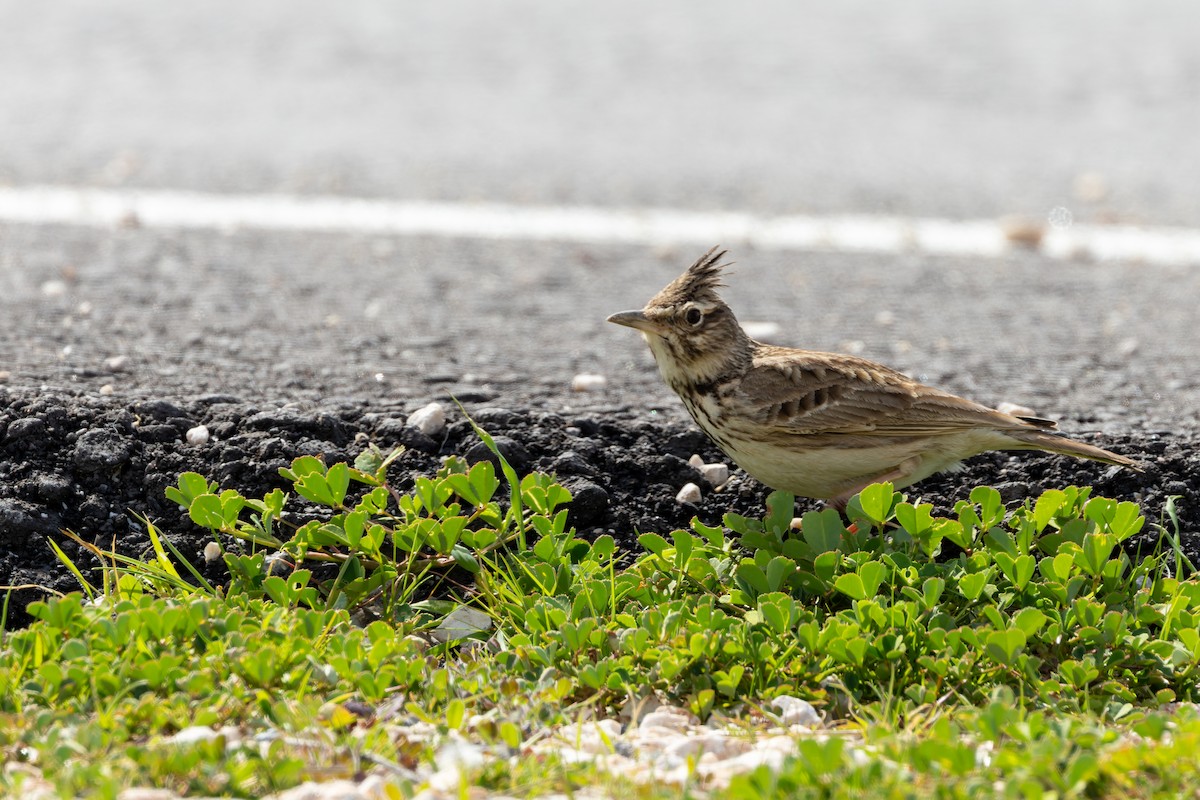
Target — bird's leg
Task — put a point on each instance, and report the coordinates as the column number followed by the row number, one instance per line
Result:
column 897, row 473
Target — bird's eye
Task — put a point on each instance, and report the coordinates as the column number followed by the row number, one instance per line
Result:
column 693, row 316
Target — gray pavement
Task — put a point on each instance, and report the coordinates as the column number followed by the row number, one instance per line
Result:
column 404, row 319
column 921, row 108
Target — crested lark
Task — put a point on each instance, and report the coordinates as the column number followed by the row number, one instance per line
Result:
column 814, row 424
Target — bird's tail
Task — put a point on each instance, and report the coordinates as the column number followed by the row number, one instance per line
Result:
column 1053, row 443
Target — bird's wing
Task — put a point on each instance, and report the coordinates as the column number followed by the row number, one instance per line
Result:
column 808, row 393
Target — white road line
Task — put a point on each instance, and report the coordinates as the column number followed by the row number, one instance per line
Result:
column 874, row 234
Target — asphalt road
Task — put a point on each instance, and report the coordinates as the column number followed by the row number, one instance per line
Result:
column 923, row 108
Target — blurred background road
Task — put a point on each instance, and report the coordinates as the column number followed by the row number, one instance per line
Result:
column 917, row 109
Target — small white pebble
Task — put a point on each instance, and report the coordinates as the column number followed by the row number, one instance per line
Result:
column 198, row 435
column 885, row 318
column 1128, row 347
column 696, row 461
column 690, row 493
column 196, row 733
column 54, row 288
column 1016, row 410
column 666, row 717
column 212, row 552
column 379, row 377
column 588, row 382
column 373, row 309
column 107, row 389
column 762, row 330
column 132, row 793
column 4, row 375
column 336, row 789
column 429, row 420
column 116, row 363
column 853, row 346
column 983, row 754
column 715, row 474
column 794, row 711
column 84, row 309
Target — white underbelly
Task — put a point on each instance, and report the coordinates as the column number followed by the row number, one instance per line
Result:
column 826, row 472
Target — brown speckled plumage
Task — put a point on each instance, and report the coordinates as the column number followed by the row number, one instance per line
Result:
column 817, row 424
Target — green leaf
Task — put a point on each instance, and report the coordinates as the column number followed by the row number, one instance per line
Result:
column 1018, row 570
column 1094, row 553
column 190, row 486
column 753, row 576
column 877, row 501
column 932, row 590
column 991, row 507
column 654, row 543
column 603, row 548
column 353, row 524
column 873, row 574
column 825, row 565
column 823, row 530
column 851, row 585
column 1003, row 647
column 917, row 520
column 972, row 584
column 781, row 509
column 338, row 481
column 684, row 542
column 465, row 559
column 1029, row 620
column 1024, row 569
column 206, row 512
column 779, row 569
column 1047, row 506
column 1062, row 565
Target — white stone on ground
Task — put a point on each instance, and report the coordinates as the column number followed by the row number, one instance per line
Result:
column 794, row 711
column 715, row 474
column 198, row 435
column 212, row 552
column 196, row 733
column 666, row 746
column 429, row 420
column 588, row 382
column 54, row 288
column 690, row 493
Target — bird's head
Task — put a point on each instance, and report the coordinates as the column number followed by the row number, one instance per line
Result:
column 690, row 329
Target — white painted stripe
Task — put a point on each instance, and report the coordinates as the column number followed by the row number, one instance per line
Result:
column 874, row 234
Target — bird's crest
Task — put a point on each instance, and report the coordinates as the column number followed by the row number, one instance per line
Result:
column 698, row 284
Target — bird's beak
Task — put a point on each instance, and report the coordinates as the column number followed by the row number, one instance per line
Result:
column 634, row 319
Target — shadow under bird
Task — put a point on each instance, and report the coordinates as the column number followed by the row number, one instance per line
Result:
column 818, row 425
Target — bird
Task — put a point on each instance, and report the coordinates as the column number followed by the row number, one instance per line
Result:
column 818, row 425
